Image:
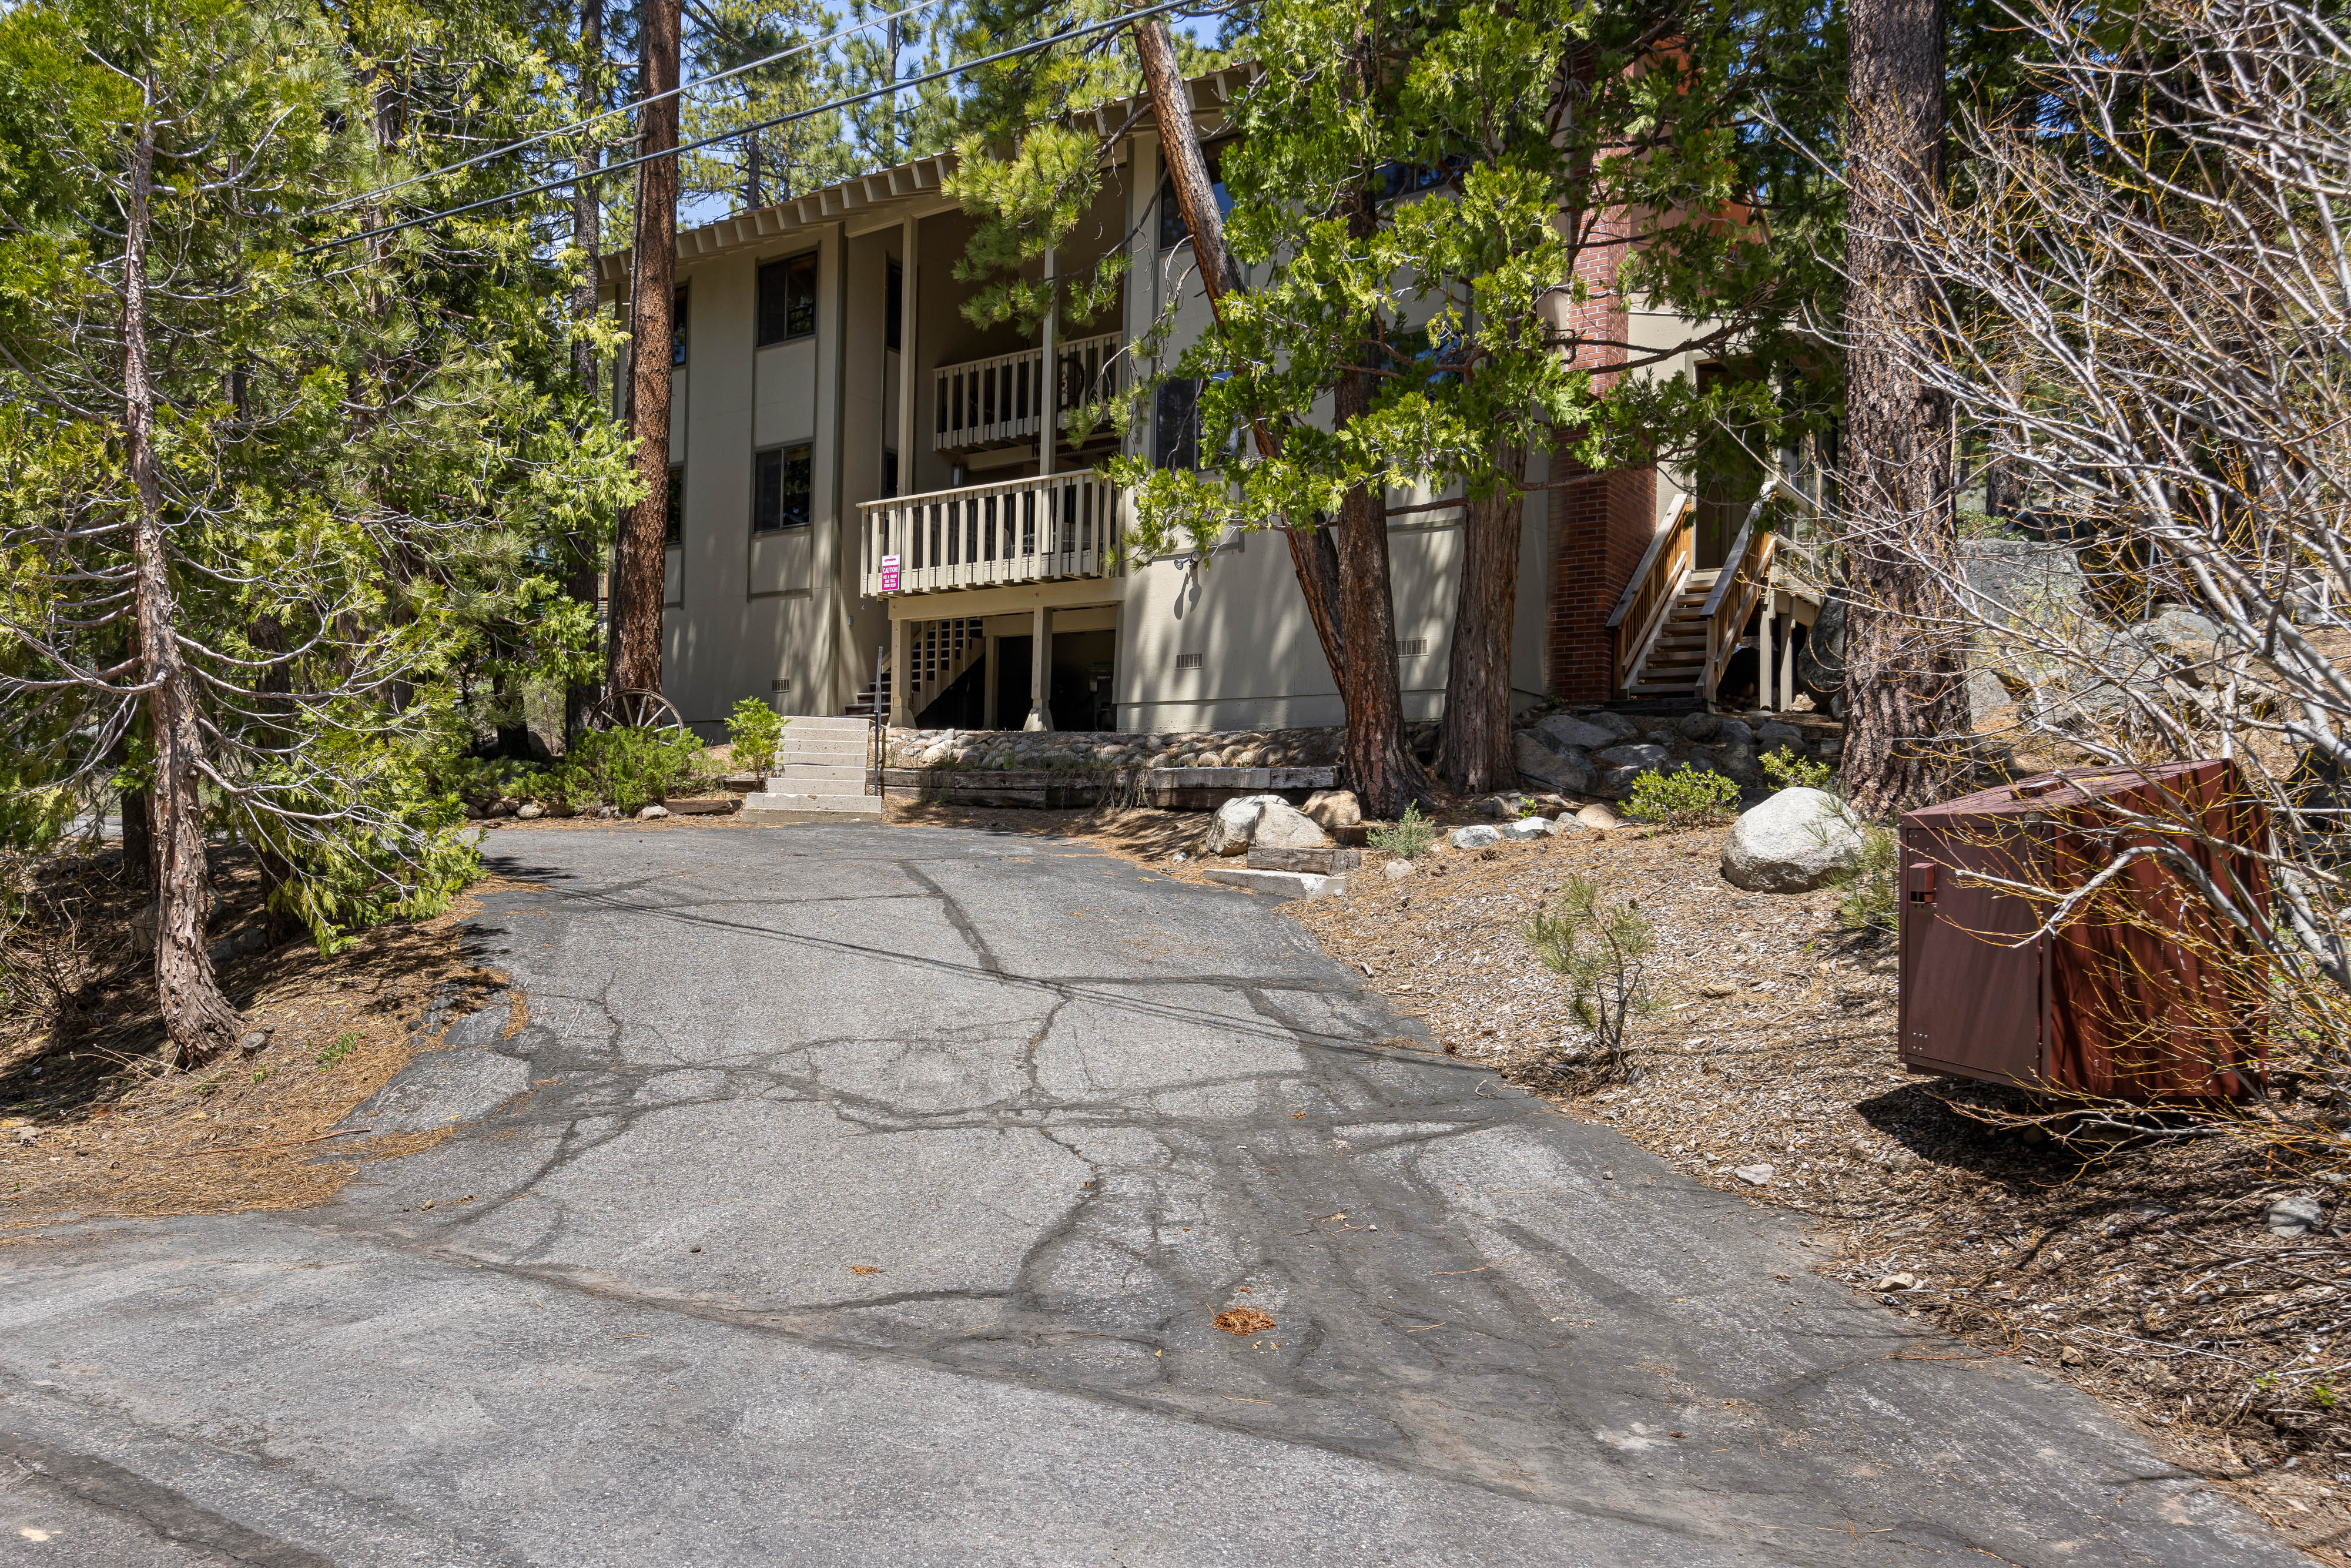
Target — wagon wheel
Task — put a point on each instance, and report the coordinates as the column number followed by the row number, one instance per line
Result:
column 632, row 709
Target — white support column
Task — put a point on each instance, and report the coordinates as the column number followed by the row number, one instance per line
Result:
column 1049, row 432
column 1040, row 671
column 1764, row 656
column 1788, row 665
column 901, row 657
column 910, row 239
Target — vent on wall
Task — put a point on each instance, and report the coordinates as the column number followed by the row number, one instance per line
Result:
column 1188, row 661
column 783, row 685
column 1407, row 647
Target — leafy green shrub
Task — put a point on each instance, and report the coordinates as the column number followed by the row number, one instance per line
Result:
column 1406, row 838
column 1686, row 798
column 633, row 769
column 1604, row 954
column 756, row 730
column 1786, row 770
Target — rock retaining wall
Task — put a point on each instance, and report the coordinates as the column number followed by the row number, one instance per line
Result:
column 1019, row 750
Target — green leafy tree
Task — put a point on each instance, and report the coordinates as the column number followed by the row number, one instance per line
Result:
column 262, row 505
column 1432, row 200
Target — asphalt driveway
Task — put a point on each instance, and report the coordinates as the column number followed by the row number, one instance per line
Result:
column 861, row 1194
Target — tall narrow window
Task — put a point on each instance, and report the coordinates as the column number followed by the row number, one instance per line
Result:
column 896, row 309
column 889, row 471
column 674, row 507
column 1173, row 230
column 1175, row 424
column 787, row 299
column 677, row 329
column 779, row 489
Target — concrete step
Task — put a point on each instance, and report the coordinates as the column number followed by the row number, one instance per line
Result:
column 815, row 724
column 777, row 802
column 810, row 773
column 831, row 756
column 1283, row 886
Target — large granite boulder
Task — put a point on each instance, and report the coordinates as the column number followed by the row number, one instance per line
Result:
column 1567, row 771
column 1283, row 826
column 1335, row 809
column 1637, row 756
column 1793, row 842
column 1561, row 732
column 1236, row 824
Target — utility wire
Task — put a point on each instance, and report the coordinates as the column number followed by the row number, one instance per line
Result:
column 738, row 133
column 604, row 114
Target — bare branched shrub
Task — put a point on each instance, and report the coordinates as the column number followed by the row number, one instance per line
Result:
column 2142, row 325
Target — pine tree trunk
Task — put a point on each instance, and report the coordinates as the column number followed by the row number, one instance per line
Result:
column 138, row 840
column 637, row 574
column 1906, row 689
column 1474, row 754
column 197, row 1017
column 587, row 238
column 1381, row 767
column 1313, row 552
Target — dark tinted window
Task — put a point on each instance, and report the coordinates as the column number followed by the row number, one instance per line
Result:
column 1175, row 424
column 1173, row 230
column 787, row 299
column 895, row 311
column 674, row 506
column 780, row 489
column 677, row 329
column 889, row 473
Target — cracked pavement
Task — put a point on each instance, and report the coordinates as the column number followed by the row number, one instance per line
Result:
column 861, row 1194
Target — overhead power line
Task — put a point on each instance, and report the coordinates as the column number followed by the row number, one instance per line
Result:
column 605, row 114
column 738, row 133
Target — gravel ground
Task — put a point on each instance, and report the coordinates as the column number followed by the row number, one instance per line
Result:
column 2145, row 1272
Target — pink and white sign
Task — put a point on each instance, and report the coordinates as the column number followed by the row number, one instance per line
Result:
column 889, row 574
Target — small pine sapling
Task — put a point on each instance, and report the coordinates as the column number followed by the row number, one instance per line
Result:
column 1408, row 838
column 1603, row 953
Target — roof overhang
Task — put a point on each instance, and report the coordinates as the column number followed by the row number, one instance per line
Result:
column 915, row 189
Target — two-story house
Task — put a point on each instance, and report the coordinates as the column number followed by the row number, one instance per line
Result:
column 862, row 478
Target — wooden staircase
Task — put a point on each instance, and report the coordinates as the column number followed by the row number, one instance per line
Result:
column 1679, row 626
column 1677, row 659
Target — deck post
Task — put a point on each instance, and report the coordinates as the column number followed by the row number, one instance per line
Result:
column 1763, row 650
column 1040, row 671
column 1788, row 665
column 901, row 671
column 1049, row 395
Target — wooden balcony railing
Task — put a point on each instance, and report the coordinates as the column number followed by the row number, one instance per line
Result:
column 1023, row 531
column 1647, row 602
column 985, row 402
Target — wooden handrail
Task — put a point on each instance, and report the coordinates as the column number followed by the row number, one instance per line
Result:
column 1640, row 573
column 1742, row 583
column 1648, row 600
column 1016, row 531
column 978, row 403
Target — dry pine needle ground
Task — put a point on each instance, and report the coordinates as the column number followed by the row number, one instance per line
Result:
column 2144, row 1273
column 90, row 1125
